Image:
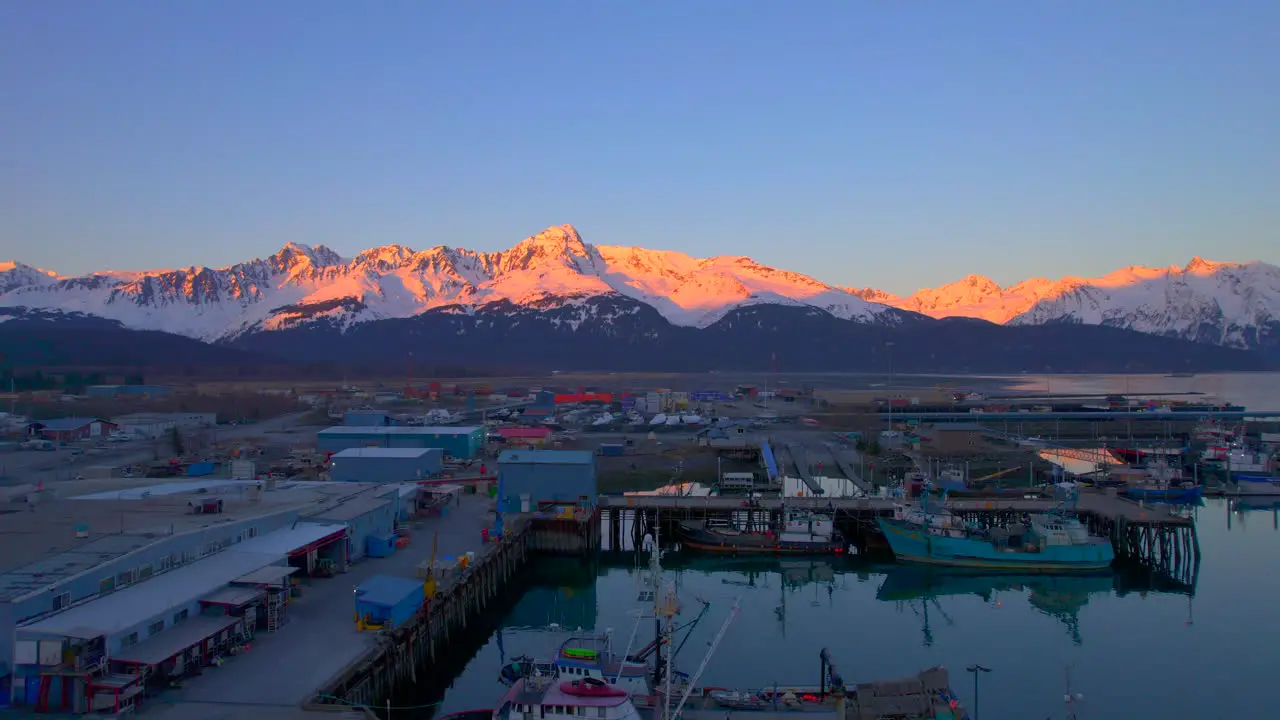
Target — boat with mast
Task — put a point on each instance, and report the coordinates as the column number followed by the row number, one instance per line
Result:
column 1050, row 541
column 802, row 532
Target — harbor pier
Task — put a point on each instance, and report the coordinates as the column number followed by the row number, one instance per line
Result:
column 455, row 609
column 1153, row 537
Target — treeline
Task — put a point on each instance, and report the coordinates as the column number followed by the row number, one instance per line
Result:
column 71, row 382
column 238, row 407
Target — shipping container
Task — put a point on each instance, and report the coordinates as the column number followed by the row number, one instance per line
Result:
column 388, row 601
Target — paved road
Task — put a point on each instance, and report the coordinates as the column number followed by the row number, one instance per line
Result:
column 33, row 466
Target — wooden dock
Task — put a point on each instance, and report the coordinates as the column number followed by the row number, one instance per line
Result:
column 1153, row 536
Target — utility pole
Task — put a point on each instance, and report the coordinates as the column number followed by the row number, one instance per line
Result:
column 976, row 670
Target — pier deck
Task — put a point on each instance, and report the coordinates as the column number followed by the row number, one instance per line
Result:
column 320, row 639
column 1104, row 505
column 849, row 460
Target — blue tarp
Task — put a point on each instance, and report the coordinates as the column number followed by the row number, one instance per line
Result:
column 769, row 462
column 200, row 469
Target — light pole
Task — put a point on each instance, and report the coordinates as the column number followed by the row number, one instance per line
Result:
column 976, row 670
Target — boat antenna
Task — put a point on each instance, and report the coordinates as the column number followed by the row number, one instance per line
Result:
column 715, row 642
column 1071, row 698
column 622, row 662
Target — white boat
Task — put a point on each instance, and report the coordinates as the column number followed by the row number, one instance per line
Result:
column 541, row 696
column 1256, row 485
column 659, row 419
column 1241, row 460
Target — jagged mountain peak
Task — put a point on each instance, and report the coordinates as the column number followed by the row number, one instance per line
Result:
column 293, row 254
column 301, row 284
column 1231, row 303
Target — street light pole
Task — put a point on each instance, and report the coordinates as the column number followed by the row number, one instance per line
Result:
column 976, row 670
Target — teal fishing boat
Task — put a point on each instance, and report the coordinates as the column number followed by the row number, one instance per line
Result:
column 1050, row 542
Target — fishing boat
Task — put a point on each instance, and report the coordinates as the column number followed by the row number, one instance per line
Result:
column 1256, row 485
column 585, row 658
column 538, row 696
column 591, row 687
column 801, row 533
column 1052, row 542
column 1184, row 493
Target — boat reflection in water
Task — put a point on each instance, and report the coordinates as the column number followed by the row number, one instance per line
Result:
column 1058, row 596
column 1240, row 509
column 1061, row 596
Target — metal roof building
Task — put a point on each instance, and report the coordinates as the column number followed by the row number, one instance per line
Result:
column 386, row 465
column 137, row 605
column 457, row 441
column 529, row 478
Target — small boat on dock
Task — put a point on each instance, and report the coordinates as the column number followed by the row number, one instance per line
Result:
column 802, row 533
column 1049, row 542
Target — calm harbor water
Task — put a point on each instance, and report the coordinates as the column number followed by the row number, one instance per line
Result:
column 1135, row 648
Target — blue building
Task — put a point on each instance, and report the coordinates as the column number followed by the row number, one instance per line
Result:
column 367, row 418
column 455, row 441
column 388, row 601
column 385, row 465
column 530, row 478
column 366, row 517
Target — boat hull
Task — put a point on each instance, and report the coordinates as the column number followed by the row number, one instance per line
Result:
column 695, row 536
column 1165, row 494
column 1257, row 485
column 910, row 544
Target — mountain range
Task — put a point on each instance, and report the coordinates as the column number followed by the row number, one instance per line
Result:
column 644, row 308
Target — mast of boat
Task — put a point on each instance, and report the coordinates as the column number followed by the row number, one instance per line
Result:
column 715, row 642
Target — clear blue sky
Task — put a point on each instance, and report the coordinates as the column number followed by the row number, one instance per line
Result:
column 891, row 144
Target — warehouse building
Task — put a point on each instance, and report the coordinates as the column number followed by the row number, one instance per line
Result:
column 75, row 428
column 175, row 544
column 370, row 519
column 456, row 442
column 154, row 425
column 954, row 438
column 531, row 479
column 525, row 436
column 385, row 465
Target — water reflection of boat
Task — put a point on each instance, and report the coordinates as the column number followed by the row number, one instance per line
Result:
column 1255, row 503
column 1059, row 596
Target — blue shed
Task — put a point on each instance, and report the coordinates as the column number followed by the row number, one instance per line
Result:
column 389, row 601
column 385, row 465
column 380, row 545
column 529, row 477
column 200, row 469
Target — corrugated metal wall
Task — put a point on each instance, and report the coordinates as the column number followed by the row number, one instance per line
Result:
column 543, row 482
column 384, row 470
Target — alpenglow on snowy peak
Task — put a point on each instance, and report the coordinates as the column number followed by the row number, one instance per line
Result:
column 1233, row 304
column 301, row 284
column 1223, row 303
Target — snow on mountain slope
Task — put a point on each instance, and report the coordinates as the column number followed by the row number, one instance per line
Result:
column 300, row 284
column 974, row 296
column 693, row 291
column 1234, row 304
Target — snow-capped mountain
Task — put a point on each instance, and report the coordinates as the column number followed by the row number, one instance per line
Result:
column 1233, row 304
column 301, row 284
